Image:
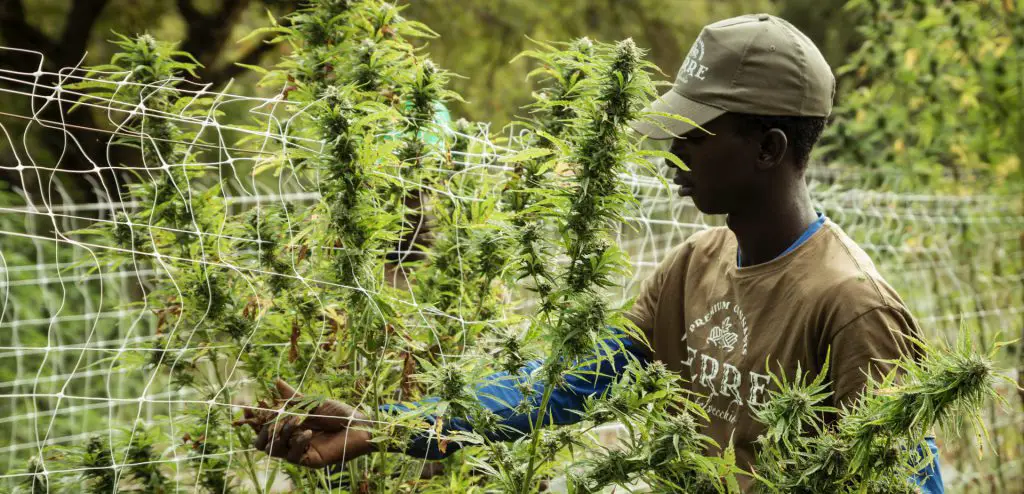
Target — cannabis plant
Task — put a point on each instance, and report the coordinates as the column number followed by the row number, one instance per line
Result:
column 877, row 443
column 561, row 72
column 374, row 104
column 612, row 90
column 662, row 447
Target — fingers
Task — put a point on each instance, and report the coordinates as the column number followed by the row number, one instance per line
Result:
column 268, row 434
column 335, row 448
column 287, row 440
column 312, row 457
column 285, row 391
column 251, row 422
column 298, row 444
column 254, row 417
column 311, row 448
column 333, row 416
column 303, row 439
column 262, row 438
column 276, row 439
column 249, row 418
column 279, row 443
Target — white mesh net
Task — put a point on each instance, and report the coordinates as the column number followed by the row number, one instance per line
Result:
column 75, row 326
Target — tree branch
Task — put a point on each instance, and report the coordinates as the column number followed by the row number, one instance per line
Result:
column 78, row 27
column 229, row 11
column 207, row 34
column 18, row 32
column 228, row 16
column 188, row 11
column 251, row 57
column 662, row 38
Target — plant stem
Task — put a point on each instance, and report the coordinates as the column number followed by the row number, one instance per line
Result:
column 536, row 436
column 247, row 464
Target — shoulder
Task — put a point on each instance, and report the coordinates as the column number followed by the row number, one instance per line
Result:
column 712, row 240
column 848, row 280
column 700, row 241
column 677, row 260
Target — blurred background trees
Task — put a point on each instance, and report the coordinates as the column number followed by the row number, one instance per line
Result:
column 76, row 33
column 478, row 38
column 934, row 92
column 935, row 88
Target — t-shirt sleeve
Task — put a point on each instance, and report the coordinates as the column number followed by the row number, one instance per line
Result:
column 857, row 348
column 645, row 308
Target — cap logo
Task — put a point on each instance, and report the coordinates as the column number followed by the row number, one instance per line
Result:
column 692, row 66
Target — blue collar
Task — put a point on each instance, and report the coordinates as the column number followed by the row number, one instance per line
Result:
column 803, row 238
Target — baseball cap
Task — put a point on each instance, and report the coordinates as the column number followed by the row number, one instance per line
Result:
column 757, row 63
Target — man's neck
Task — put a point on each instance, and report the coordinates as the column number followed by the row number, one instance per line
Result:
column 763, row 233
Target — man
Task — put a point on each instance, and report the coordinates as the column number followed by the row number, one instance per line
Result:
column 781, row 284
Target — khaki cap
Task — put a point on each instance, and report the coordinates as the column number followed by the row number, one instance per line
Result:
column 757, row 64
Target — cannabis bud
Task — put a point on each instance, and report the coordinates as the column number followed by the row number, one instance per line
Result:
column 584, row 316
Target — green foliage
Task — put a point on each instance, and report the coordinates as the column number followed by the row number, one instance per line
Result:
column 795, row 409
column 98, row 463
column 934, row 92
column 130, row 79
column 241, row 286
column 663, row 446
column 600, row 88
column 872, row 446
column 479, row 37
column 38, row 481
column 144, row 469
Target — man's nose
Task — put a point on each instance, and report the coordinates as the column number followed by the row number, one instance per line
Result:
column 679, row 149
column 671, row 165
column 683, row 156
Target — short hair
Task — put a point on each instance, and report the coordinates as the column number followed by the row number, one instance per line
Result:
column 801, row 132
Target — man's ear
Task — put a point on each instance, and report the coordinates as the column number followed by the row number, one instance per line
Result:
column 773, row 149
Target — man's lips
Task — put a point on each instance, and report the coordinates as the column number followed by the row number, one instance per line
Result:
column 684, row 183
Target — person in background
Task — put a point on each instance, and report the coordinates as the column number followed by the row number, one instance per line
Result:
column 781, row 283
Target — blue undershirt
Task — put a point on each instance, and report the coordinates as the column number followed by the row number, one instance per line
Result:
column 499, row 394
column 799, row 241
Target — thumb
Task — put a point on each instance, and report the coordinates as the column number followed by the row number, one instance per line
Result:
column 286, row 391
column 333, row 416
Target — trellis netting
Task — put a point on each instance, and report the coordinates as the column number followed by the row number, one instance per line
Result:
column 92, row 345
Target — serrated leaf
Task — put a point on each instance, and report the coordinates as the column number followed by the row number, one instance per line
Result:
column 526, row 155
column 254, row 68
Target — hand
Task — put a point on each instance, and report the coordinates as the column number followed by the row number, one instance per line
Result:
column 326, row 437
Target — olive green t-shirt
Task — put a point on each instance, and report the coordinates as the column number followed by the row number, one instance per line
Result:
column 718, row 324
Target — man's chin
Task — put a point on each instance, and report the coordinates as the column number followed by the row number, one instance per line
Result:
column 703, row 206
column 685, row 191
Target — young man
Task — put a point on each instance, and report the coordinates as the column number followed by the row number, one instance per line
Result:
column 781, row 284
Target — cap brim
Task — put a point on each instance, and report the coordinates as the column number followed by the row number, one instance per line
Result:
column 661, row 127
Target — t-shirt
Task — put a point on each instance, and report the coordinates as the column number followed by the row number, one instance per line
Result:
column 718, row 324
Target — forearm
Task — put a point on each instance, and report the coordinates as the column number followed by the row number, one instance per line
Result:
column 501, row 394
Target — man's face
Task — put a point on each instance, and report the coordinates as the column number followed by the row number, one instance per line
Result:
column 723, row 176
